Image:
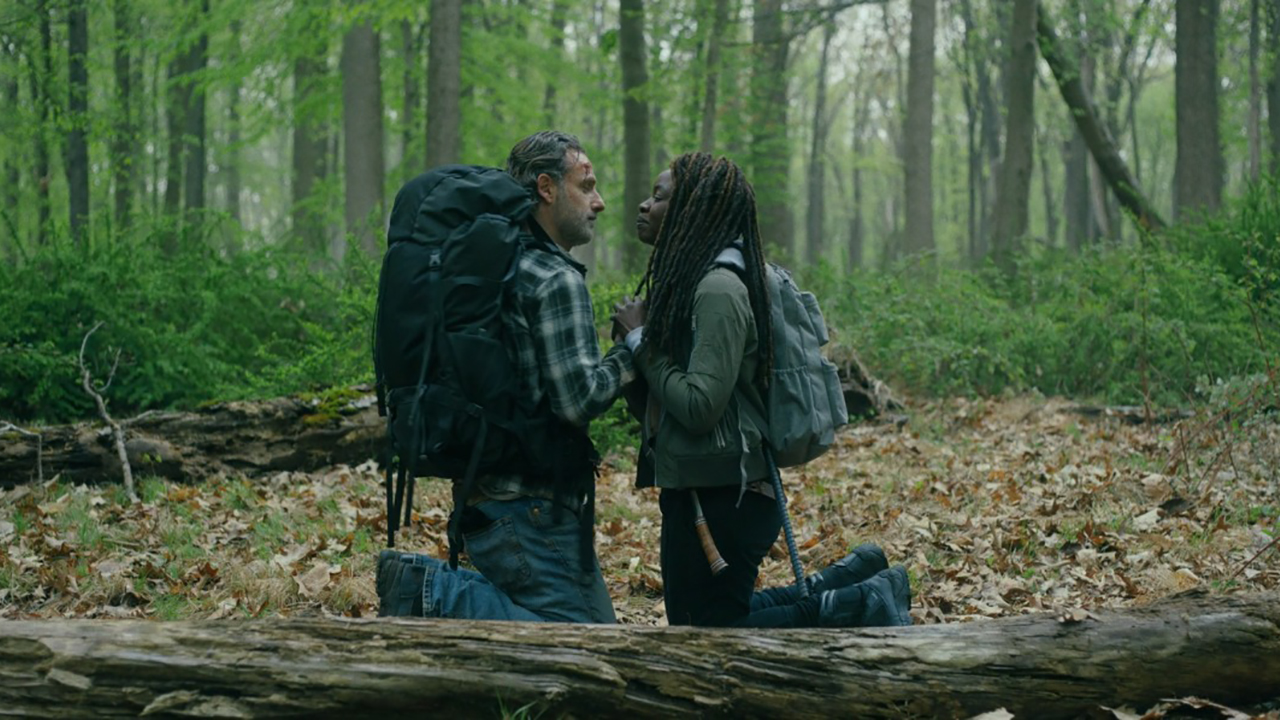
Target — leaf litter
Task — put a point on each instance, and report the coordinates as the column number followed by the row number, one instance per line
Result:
column 996, row 508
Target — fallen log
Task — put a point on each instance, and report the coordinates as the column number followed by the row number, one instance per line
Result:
column 251, row 438
column 1226, row 649
column 257, row 438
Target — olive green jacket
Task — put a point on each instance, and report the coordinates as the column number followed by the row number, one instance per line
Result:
column 703, row 419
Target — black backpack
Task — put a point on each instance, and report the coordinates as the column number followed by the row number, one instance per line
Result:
column 445, row 379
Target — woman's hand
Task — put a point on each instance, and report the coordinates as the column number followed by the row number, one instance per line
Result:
column 627, row 316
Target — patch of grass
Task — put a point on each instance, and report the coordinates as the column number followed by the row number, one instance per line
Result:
column 170, row 607
column 151, row 489
column 269, row 535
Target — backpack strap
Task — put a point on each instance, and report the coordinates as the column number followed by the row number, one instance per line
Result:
column 409, row 460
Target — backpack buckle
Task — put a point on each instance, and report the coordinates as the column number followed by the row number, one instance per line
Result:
column 435, row 260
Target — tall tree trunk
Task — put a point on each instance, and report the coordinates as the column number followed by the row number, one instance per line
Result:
column 309, row 146
column 710, row 95
column 918, row 131
column 1075, row 192
column 635, row 125
column 1013, row 192
column 1273, row 84
column 985, row 147
column 42, row 93
column 1099, row 140
column 1043, row 145
column 77, row 153
column 124, row 155
column 12, row 176
column 1198, row 174
column 558, row 21
column 1254, row 124
column 410, row 49
column 444, row 83
column 857, row 222
column 232, row 152
column 770, row 149
column 196, row 125
column 363, row 163
column 178, row 99
column 817, row 154
column 1077, row 209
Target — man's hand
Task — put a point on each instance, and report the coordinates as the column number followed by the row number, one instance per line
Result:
column 627, row 316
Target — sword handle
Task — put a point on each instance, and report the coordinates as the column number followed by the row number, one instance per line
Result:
column 709, row 549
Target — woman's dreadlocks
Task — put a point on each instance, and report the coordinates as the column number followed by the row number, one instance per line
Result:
column 711, row 205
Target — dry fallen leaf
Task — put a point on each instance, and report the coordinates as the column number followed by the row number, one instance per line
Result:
column 314, row 581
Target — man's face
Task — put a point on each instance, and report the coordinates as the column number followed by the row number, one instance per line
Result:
column 576, row 203
column 654, row 209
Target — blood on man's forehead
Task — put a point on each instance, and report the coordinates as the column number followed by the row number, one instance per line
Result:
column 579, row 161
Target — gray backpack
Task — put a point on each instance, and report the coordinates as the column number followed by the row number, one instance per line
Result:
column 805, row 400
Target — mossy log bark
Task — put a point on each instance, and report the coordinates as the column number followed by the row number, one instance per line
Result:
column 1222, row 648
column 262, row 437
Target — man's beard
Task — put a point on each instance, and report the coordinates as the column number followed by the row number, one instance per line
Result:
column 575, row 229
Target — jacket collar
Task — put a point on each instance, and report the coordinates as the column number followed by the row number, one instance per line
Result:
column 542, row 238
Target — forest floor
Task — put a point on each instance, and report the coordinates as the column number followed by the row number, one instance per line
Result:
column 996, row 507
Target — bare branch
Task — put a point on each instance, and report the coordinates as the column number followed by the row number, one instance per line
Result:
column 86, row 381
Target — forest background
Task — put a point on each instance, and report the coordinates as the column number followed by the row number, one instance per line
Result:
column 210, row 179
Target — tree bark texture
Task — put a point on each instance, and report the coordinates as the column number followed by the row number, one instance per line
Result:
column 308, row 151
column 77, row 152
column 42, row 83
column 556, row 39
column 231, row 153
column 1013, row 195
column 814, row 220
column 410, row 49
column 124, row 139
column 178, row 100
column 363, row 163
column 715, row 41
column 1103, row 147
column 635, row 126
column 770, row 148
column 12, row 167
column 444, row 84
column 1199, row 170
column 1225, row 649
column 1273, row 83
column 918, row 130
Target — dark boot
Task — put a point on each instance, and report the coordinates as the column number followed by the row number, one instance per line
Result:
column 399, row 585
column 864, row 562
column 882, row 601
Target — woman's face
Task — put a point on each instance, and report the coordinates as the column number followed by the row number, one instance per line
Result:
column 654, row 209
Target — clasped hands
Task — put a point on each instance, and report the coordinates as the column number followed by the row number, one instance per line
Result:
column 627, row 316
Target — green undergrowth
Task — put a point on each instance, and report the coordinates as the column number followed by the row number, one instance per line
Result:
column 1160, row 321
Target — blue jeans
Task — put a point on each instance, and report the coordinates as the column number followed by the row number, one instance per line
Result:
column 531, row 568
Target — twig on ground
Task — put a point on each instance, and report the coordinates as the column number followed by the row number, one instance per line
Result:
column 1256, row 555
column 117, row 432
column 7, row 426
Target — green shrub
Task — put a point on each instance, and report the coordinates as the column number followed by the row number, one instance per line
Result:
column 1116, row 324
column 189, row 327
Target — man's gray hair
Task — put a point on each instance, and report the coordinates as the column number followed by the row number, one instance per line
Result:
column 542, row 153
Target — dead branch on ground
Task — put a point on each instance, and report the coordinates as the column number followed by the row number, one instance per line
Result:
column 86, row 381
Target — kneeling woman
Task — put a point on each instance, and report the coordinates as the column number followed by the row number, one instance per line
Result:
column 704, row 354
